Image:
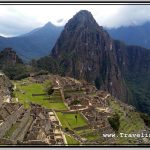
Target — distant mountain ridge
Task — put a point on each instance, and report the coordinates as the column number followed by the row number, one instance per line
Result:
column 34, row 44
column 40, row 41
column 132, row 35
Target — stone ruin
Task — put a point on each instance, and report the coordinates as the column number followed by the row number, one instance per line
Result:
column 92, row 104
column 68, row 83
column 33, row 126
column 5, row 88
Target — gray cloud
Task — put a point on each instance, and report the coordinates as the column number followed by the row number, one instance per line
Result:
column 60, row 20
column 16, row 20
column 13, row 23
column 130, row 15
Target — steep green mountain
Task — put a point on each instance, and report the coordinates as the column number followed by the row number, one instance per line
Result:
column 12, row 65
column 9, row 57
column 134, row 62
column 85, row 51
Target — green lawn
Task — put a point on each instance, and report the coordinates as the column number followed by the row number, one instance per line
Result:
column 24, row 95
column 68, row 120
column 71, row 140
column 91, row 137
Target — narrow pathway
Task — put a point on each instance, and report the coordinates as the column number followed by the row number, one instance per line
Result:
column 105, row 97
column 14, row 88
column 62, row 93
column 73, row 110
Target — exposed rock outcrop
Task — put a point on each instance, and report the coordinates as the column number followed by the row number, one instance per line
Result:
column 9, row 57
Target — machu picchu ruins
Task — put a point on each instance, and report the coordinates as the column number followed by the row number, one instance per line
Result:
column 76, row 113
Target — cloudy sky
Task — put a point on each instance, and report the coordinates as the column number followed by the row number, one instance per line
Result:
column 19, row 19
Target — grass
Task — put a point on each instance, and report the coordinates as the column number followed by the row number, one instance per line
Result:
column 11, row 130
column 89, row 134
column 69, row 121
column 132, row 123
column 71, row 140
column 80, row 132
column 24, row 94
column 92, row 136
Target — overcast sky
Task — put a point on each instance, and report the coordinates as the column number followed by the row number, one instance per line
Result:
column 19, row 19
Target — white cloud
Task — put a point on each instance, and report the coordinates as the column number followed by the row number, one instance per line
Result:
column 18, row 19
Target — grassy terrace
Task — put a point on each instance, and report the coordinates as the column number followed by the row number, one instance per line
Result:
column 71, row 140
column 24, row 95
column 9, row 132
column 89, row 134
column 132, row 123
column 69, row 121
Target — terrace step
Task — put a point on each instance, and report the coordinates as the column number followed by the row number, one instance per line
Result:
column 23, row 121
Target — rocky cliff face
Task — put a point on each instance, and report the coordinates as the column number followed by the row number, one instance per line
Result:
column 85, row 51
column 132, row 58
column 134, row 63
column 9, row 57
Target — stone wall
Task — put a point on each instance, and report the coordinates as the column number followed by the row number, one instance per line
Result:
column 25, row 129
column 10, row 120
column 4, row 141
column 35, row 142
column 22, row 124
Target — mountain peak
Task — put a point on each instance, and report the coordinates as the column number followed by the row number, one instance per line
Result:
column 85, row 13
column 83, row 18
column 49, row 24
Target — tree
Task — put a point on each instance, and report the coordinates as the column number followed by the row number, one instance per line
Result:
column 48, row 87
column 16, row 72
column 114, row 121
column 98, row 82
column 76, row 117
